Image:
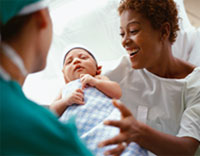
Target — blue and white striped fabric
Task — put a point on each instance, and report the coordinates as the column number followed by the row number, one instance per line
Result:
column 90, row 117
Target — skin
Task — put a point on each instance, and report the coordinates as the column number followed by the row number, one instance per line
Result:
column 80, row 64
column 153, row 53
column 80, row 59
column 154, row 47
column 32, row 45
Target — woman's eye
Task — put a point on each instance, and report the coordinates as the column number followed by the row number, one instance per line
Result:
column 133, row 31
column 121, row 34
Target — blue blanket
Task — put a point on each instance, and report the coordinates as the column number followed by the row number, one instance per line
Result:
column 90, row 117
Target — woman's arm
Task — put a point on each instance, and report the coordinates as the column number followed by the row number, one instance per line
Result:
column 110, row 88
column 165, row 144
column 153, row 140
column 60, row 104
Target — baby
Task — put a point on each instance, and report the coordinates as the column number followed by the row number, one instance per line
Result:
column 79, row 63
column 88, row 95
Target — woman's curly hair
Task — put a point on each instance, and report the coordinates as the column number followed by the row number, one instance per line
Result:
column 156, row 11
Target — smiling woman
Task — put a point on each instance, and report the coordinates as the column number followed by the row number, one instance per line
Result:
column 160, row 88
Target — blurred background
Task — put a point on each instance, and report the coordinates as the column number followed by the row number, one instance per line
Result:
column 192, row 8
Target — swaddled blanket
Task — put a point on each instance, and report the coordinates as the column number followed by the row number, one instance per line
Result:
column 90, row 117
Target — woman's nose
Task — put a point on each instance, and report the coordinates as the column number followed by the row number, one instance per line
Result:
column 126, row 40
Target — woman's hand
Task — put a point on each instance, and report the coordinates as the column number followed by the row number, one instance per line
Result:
column 129, row 130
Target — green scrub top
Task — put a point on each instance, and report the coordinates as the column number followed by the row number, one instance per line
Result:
column 29, row 129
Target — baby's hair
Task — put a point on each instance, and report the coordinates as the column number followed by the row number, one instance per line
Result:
column 79, row 48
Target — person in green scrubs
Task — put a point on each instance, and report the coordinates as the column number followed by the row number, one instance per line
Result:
column 25, row 127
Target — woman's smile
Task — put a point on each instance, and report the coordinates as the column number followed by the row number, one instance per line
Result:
column 134, row 52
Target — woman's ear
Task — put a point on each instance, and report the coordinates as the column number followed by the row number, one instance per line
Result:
column 165, row 31
column 98, row 70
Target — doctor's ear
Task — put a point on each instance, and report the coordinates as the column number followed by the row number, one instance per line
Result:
column 98, row 70
column 41, row 17
column 165, row 31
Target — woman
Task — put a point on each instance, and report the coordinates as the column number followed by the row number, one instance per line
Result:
column 161, row 92
column 27, row 128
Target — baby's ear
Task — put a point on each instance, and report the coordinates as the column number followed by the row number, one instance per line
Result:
column 98, row 70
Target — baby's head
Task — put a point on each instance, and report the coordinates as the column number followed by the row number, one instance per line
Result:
column 79, row 61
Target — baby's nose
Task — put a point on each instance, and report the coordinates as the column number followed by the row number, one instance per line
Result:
column 76, row 60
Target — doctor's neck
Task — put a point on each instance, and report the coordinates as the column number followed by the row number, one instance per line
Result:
column 25, row 47
column 9, row 65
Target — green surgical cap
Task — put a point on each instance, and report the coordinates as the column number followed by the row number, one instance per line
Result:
column 12, row 8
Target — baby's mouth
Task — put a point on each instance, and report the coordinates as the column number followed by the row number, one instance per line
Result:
column 134, row 52
column 77, row 68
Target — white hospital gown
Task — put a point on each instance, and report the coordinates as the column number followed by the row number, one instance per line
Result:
column 90, row 117
column 171, row 106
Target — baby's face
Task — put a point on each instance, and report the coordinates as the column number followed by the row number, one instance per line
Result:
column 78, row 62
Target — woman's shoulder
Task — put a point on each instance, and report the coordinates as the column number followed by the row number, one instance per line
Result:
column 183, row 69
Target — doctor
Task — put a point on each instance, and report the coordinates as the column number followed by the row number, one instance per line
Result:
column 25, row 127
column 161, row 92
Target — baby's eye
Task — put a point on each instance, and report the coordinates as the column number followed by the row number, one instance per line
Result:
column 68, row 61
column 83, row 57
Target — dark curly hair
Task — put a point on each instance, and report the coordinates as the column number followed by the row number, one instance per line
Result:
column 156, row 11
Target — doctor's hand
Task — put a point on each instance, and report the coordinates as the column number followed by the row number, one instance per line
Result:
column 129, row 130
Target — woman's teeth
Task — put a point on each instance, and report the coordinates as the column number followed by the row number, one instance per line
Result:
column 133, row 53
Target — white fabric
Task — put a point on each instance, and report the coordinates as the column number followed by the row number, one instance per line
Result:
column 34, row 7
column 171, row 103
column 96, row 108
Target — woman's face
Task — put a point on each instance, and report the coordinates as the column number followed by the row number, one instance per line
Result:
column 78, row 62
column 141, row 41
